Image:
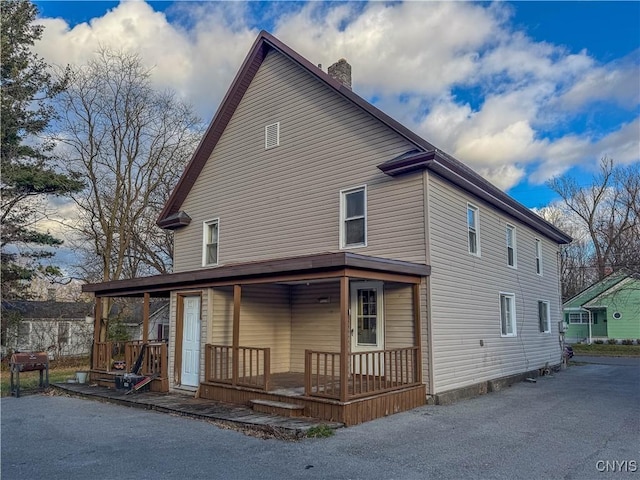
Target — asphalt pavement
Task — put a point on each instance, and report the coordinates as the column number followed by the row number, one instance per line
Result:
column 581, row 423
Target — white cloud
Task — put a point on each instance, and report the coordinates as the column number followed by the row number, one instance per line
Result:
column 618, row 81
column 408, row 47
column 415, row 58
column 199, row 64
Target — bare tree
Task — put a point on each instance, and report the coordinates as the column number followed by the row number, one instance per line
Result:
column 130, row 142
column 576, row 267
column 604, row 219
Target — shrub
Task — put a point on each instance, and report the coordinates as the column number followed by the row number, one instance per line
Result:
column 598, row 342
column 612, row 341
column 627, row 341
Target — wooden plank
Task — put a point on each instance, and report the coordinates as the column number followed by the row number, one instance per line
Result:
column 145, row 317
column 177, row 365
column 345, row 337
column 417, row 331
column 237, row 294
column 96, row 330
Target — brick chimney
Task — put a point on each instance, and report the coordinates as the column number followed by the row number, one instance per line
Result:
column 341, row 71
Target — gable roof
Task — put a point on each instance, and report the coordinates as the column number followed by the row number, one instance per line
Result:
column 425, row 155
column 629, row 282
column 596, row 289
column 49, row 310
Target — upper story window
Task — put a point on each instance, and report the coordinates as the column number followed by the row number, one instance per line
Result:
column 272, row 135
column 538, row 257
column 210, row 244
column 544, row 320
column 353, row 217
column 473, row 226
column 507, row 314
column 512, row 261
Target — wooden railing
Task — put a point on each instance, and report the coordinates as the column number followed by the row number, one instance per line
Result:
column 155, row 358
column 105, row 353
column 253, row 366
column 382, row 371
column 322, row 374
column 370, row 373
column 102, row 356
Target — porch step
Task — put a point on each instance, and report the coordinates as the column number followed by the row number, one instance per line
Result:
column 277, row 408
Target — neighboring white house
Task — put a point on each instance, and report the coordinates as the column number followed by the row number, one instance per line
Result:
column 61, row 328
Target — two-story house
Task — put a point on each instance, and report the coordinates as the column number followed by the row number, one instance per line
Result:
column 328, row 257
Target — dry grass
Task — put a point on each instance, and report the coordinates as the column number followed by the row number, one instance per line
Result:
column 59, row 371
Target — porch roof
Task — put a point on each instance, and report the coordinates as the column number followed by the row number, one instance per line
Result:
column 309, row 267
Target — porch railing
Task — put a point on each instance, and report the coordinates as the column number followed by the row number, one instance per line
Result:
column 253, row 366
column 370, row 373
column 106, row 352
column 322, row 374
column 155, row 358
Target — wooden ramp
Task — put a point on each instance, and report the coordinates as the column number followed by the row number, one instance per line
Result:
column 186, row 405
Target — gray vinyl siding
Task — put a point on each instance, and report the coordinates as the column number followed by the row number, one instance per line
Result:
column 399, row 324
column 285, row 201
column 465, row 291
column 265, row 320
column 315, row 326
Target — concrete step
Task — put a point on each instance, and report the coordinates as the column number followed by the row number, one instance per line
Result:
column 277, row 408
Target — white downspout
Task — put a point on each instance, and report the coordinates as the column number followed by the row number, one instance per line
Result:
column 590, row 322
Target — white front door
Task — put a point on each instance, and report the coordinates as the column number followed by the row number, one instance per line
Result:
column 190, row 341
column 367, row 327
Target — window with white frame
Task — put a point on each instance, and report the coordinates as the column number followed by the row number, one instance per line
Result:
column 508, row 314
column 353, row 217
column 538, row 257
column 474, row 229
column 512, row 261
column 544, row 320
column 578, row 317
column 211, row 235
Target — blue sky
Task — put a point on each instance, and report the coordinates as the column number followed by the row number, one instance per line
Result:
column 519, row 91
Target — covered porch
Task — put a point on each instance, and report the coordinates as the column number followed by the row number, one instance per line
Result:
column 334, row 336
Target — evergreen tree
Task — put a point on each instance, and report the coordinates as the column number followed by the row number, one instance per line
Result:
column 28, row 169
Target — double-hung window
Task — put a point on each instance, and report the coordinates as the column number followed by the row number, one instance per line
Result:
column 512, row 260
column 210, row 248
column 544, row 320
column 578, row 318
column 507, row 314
column 353, row 217
column 538, row 257
column 473, row 228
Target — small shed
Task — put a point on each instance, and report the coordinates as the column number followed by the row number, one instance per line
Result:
column 63, row 329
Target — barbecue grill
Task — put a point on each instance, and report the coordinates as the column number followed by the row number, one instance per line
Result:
column 28, row 362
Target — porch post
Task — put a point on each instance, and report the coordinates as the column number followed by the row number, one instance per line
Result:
column 237, row 294
column 145, row 318
column 417, row 330
column 97, row 320
column 345, row 337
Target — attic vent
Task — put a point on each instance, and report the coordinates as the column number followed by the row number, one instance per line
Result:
column 272, row 135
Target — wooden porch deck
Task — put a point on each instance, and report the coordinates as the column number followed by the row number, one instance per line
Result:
column 233, row 415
